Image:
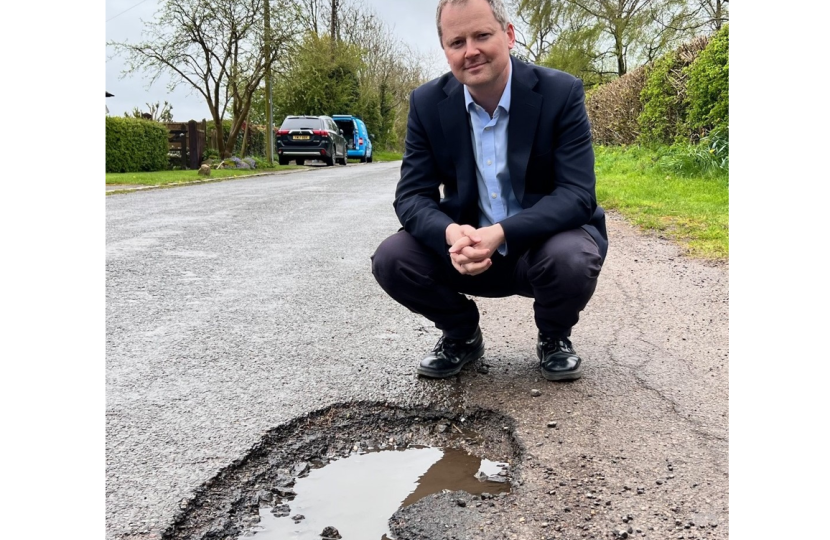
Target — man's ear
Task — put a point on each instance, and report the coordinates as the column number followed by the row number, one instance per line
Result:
column 511, row 36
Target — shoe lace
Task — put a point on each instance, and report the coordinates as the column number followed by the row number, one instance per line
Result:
column 445, row 345
column 563, row 344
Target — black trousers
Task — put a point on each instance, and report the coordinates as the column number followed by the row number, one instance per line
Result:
column 560, row 275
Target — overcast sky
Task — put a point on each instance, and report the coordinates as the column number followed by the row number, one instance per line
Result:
column 411, row 20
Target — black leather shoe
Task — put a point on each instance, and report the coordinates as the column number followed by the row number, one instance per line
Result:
column 558, row 359
column 450, row 355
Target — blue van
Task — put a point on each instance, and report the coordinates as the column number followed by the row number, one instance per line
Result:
column 358, row 143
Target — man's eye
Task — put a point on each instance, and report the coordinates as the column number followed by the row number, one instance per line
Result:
column 483, row 36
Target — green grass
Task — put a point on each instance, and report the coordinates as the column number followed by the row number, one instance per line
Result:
column 692, row 210
column 161, row 178
column 381, row 157
column 387, row 156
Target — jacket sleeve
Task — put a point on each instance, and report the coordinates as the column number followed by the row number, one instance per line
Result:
column 572, row 201
column 417, row 194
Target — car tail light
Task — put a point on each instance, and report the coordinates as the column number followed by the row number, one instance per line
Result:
column 282, row 132
column 321, row 132
column 360, row 141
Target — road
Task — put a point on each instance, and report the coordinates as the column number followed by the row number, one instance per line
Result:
column 238, row 306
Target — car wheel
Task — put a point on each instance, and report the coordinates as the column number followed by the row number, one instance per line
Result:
column 300, row 162
column 369, row 159
column 363, row 158
column 282, row 160
column 329, row 161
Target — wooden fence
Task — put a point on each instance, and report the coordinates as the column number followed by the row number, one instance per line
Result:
column 187, row 142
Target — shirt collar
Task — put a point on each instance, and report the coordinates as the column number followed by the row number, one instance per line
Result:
column 504, row 102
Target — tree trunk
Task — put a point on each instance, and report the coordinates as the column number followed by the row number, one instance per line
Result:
column 246, row 129
column 333, row 26
column 618, row 49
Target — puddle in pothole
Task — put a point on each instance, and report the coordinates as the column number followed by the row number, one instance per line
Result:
column 358, row 494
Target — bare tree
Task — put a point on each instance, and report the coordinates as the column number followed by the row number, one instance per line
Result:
column 310, row 14
column 216, row 48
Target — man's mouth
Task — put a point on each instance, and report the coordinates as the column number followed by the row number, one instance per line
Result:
column 473, row 66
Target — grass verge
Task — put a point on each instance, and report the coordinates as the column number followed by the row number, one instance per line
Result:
column 692, row 210
column 161, row 178
column 379, row 157
column 387, row 156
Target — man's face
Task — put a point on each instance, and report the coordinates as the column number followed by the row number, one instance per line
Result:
column 477, row 49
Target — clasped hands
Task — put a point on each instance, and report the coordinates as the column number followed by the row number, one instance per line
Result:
column 471, row 249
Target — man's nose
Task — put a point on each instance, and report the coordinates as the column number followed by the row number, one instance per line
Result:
column 471, row 50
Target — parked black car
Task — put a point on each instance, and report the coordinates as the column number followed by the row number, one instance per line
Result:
column 310, row 137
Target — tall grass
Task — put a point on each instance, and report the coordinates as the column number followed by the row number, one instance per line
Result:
column 709, row 158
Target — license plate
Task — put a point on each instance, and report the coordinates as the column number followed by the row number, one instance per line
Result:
column 301, row 137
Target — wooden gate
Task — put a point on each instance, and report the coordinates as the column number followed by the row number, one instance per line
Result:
column 186, row 143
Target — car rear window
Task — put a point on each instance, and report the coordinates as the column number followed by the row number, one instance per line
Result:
column 301, row 123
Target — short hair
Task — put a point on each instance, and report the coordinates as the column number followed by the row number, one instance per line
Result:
column 499, row 12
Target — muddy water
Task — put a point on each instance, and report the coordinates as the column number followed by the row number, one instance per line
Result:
column 357, row 495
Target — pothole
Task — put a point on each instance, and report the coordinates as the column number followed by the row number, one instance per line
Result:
column 357, row 495
column 352, row 467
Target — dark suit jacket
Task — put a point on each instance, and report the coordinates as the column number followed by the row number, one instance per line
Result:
column 549, row 153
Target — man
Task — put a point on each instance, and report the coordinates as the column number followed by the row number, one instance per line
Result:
column 511, row 144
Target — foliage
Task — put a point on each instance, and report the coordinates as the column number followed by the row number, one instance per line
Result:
column 320, row 81
column 575, row 53
column 156, row 112
column 135, row 145
column 708, row 87
column 259, row 162
column 603, row 37
column 614, row 108
column 708, row 158
column 256, row 138
column 663, row 106
column 692, row 210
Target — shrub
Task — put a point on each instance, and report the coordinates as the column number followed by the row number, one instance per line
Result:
column 665, row 105
column 135, row 145
column 662, row 99
column 708, row 87
column 260, row 162
column 613, row 109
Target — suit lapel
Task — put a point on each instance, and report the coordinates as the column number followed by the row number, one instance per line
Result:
column 525, row 106
column 456, row 128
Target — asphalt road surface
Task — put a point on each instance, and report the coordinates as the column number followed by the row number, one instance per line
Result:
column 234, row 307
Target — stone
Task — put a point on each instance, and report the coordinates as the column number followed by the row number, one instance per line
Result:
column 330, row 533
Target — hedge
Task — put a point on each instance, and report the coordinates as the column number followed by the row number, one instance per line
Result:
column 135, row 145
column 614, row 108
column 652, row 104
column 708, row 87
